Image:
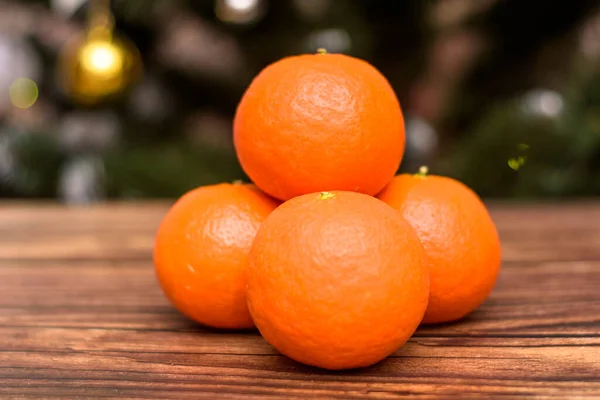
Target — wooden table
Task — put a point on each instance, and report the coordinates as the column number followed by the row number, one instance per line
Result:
column 81, row 316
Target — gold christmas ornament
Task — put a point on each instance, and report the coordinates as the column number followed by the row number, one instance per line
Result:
column 98, row 65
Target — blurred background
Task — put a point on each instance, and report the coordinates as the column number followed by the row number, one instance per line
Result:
column 501, row 94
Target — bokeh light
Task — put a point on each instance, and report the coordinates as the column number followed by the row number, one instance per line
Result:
column 241, row 5
column 516, row 163
column 66, row 7
column 240, row 11
column 543, row 103
column 102, row 58
column 24, row 93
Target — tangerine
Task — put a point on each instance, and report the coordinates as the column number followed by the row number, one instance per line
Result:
column 459, row 236
column 201, row 251
column 336, row 280
column 318, row 122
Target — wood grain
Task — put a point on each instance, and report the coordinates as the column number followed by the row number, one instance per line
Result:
column 81, row 316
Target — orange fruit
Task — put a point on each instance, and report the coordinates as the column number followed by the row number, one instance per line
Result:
column 319, row 122
column 459, row 237
column 336, row 280
column 201, row 251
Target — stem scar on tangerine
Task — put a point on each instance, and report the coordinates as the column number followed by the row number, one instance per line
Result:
column 326, row 195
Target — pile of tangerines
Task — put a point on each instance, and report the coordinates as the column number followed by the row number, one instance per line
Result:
column 330, row 256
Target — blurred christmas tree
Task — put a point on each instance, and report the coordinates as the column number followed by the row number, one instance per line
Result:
column 503, row 94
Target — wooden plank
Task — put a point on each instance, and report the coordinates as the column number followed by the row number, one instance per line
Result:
column 207, row 341
column 127, row 217
column 534, row 299
column 126, row 231
column 110, row 246
column 578, row 246
column 81, row 316
column 419, row 368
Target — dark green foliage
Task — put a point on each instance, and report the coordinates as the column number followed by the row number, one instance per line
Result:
column 34, row 165
column 562, row 154
column 166, row 170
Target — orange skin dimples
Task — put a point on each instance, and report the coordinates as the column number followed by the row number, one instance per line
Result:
column 201, row 252
column 319, row 122
column 460, row 239
column 337, row 280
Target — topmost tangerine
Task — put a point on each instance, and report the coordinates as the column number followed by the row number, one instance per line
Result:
column 319, row 122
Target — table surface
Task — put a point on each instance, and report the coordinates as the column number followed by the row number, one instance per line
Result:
column 81, row 316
